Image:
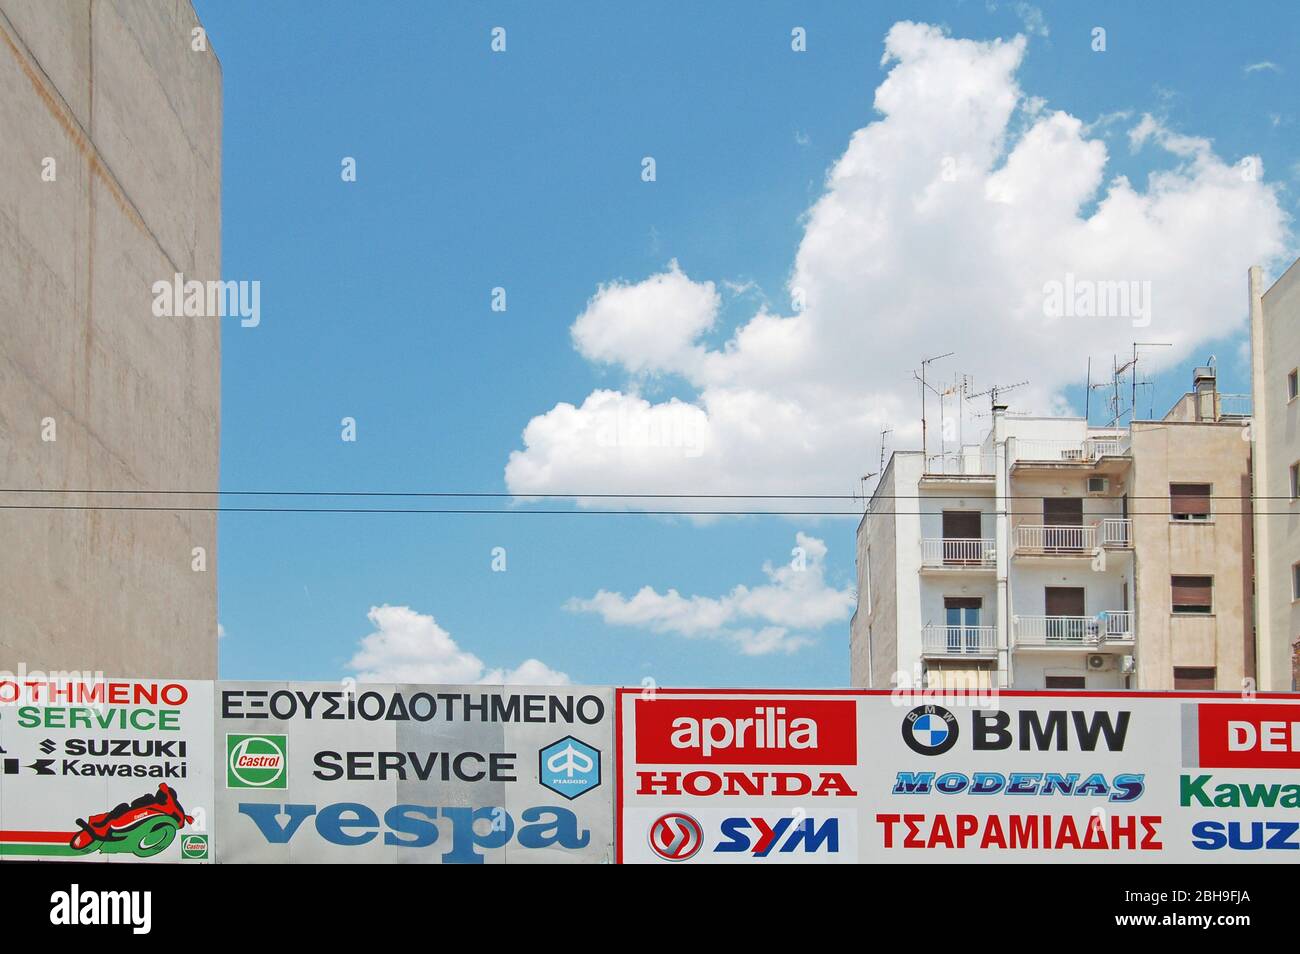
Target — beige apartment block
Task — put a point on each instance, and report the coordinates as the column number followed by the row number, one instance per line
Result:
column 1192, row 537
column 110, row 143
column 1275, row 369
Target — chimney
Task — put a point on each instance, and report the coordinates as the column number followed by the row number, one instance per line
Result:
column 1204, row 388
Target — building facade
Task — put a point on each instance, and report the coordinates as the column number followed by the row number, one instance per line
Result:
column 110, row 141
column 1275, row 360
column 1056, row 555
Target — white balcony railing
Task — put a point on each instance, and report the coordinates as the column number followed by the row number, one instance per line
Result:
column 1116, row 625
column 957, row 552
column 1057, row 631
column 938, row 640
column 1087, row 451
column 1117, row 532
column 1082, row 631
column 1114, row 532
column 1075, row 541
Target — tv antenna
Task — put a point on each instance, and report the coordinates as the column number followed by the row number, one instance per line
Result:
column 996, row 390
column 925, row 363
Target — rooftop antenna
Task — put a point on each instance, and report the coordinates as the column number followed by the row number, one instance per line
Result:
column 884, row 431
column 998, row 389
column 925, row 363
column 1133, row 364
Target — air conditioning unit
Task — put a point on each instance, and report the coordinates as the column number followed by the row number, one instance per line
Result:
column 1098, row 662
column 1127, row 664
column 1098, row 485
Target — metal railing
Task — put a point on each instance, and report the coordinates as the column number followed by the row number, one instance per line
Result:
column 939, row 640
column 1048, row 539
column 1066, row 540
column 1074, row 630
column 1116, row 624
column 958, row 552
column 1057, row 631
column 1087, row 451
column 1117, row 532
column 1234, row 405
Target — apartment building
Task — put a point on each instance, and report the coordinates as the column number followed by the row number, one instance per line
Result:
column 1056, row 555
column 1275, row 374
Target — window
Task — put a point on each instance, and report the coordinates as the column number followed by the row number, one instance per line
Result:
column 1192, row 594
column 1293, row 384
column 1295, row 481
column 1295, row 581
column 962, row 619
column 1194, row 677
column 1189, row 501
column 1064, row 682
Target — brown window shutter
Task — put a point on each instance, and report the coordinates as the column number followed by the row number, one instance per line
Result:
column 1194, row 677
column 1189, row 498
column 1191, row 590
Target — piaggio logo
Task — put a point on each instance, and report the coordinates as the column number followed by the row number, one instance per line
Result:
column 194, row 846
column 569, row 767
column 257, row 761
column 930, row 730
column 676, row 836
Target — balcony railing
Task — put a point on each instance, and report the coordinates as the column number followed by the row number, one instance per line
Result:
column 1116, row 625
column 1117, row 532
column 1087, row 451
column 1081, row 631
column 1057, row 631
column 937, row 640
column 957, row 552
column 1234, row 405
column 1056, row 540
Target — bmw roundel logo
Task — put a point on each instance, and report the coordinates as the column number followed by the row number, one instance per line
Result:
column 930, row 730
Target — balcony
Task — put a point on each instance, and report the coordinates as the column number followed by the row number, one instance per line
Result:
column 1117, row 533
column 959, row 641
column 958, row 553
column 1077, row 541
column 1079, row 632
column 1087, row 451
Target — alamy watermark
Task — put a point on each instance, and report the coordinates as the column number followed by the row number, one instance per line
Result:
column 1091, row 298
column 179, row 298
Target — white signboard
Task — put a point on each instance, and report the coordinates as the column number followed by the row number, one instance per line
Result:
column 323, row 772
column 835, row 776
column 105, row 770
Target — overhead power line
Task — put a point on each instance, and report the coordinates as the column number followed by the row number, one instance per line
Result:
column 506, row 495
column 141, row 508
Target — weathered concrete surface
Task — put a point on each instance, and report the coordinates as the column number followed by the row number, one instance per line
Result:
column 131, row 114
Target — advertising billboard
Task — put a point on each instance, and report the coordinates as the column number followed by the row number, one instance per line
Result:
column 105, row 770
column 768, row 777
column 329, row 772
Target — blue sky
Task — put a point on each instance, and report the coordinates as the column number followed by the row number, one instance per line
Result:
column 523, row 170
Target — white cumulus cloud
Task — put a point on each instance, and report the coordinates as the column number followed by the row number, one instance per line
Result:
column 759, row 620
column 407, row 646
column 939, row 229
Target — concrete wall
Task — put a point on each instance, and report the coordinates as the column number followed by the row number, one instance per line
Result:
column 1167, row 452
column 1275, row 351
column 131, row 116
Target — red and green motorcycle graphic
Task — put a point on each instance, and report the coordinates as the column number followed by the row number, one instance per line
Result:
column 142, row 828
